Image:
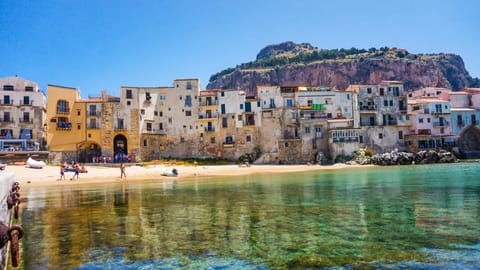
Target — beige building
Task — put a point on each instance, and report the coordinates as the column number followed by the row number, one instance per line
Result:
column 384, row 120
column 22, row 115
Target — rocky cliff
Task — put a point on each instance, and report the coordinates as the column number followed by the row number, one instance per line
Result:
column 302, row 64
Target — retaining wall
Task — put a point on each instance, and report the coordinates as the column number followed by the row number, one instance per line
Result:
column 6, row 181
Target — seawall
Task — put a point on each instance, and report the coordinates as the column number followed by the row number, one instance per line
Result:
column 6, row 181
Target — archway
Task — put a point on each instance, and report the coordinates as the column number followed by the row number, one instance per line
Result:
column 469, row 142
column 89, row 153
column 120, row 148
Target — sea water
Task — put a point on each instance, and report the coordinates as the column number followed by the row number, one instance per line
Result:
column 405, row 217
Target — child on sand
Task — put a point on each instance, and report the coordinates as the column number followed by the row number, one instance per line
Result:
column 62, row 172
column 77, row 171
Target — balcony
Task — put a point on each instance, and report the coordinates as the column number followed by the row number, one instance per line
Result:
column 209, row 129
column 120, row 127
column 93, row 126
column 6, row 102
column 368, row 108
column 25, row 120
column 368, row 124
column 6, row 120
column 67, row 111
column 64, row 126
column 155, row 132
column 441, row 124
column 94, row 113
column 229, row 144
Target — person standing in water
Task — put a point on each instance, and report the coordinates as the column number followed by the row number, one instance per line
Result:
column 122, row 171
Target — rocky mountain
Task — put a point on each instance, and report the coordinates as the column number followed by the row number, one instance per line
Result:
column 302, row 64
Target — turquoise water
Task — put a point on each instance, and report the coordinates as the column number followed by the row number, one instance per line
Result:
column 410, row 217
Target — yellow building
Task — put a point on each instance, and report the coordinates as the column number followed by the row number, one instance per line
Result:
column 69, row 135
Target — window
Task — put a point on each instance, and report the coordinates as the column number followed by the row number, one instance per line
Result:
column 307, row 130
column 25, row 134
column 28, row 88
column 62, row 106
column 212, row 139
column 160, row 126
column 161, row 113
column 420, row 120
column 79, row 126
column 241, row 106
column 189, row 85
column 93, row 123
column 222, row 109
column 120, row 124
column 182, row 139
column 188, row 113
column 155, row 113
column 391, row 102
column 224, row 122
column 348, row 96
column 289, row 103
column 428, row 120
column 309, row 102
column 169, row 120
column 240, row 117
column 248, row 138
column 6, row 116
column 8, row 87
column 128, row 103
column 163, row 97
column 369, row 90
column 142, row 111
column 400, row 135
column 128, row 94
column 26, row 117
column 6, row 100
column 26, row 100
column 380, row 135
column 382, row 91
column 149, row 126
column 79, row 112
column 188, row 101
column 144, row 142
column 385, row 103
column 222, row 94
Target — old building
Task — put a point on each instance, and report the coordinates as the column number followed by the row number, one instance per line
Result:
column 22, row 115
column 383, row 115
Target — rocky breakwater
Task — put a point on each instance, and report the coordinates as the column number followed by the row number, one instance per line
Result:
column 404, row 158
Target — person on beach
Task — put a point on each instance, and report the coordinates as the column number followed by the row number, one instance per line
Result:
column 122, row 171
column 76, row 171
column 62, row 172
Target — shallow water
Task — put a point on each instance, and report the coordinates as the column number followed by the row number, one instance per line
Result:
column 420, row 217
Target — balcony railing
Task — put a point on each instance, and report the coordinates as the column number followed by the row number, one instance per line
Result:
column 25, row 120
column 93, row 126
column 67, row 111
column 8, row 102
column 208, row 103
column 94, row 113
column 368, row 124
column 64, row 126
column 6, row 120
column 208, row 116
column 345, row 139
column 368, row 108
column 441, row 124
column 23, row 103
column 209, row 129
column 120, row 127
column 229, row 144
column 155, row 131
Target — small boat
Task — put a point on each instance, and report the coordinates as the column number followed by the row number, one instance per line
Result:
column 173, row 173
column 36, row 164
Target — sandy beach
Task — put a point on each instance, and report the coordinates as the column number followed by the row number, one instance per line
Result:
column 50, row 174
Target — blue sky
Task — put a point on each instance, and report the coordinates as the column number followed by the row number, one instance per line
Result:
column 96, row 45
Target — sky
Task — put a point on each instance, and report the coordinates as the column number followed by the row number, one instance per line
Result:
column 96, row 45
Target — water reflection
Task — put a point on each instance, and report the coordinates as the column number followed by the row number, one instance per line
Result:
column 354, row 218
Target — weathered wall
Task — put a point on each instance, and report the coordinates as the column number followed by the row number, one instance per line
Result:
column 6, row 181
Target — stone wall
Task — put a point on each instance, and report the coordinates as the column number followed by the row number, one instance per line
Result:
column 6, row 181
